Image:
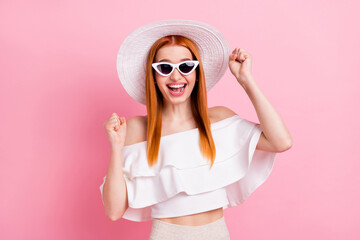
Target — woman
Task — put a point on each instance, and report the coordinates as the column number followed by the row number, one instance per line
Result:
column 183, row 163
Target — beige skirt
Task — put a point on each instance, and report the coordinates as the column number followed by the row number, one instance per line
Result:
column 216, row 230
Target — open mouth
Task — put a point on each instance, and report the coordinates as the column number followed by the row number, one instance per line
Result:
column 177, row 88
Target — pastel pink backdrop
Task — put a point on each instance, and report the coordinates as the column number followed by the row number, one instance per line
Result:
column 59, row 84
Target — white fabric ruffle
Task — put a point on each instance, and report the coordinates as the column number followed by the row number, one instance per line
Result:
column 238, row 170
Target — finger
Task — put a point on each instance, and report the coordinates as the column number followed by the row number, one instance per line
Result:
column 117, row 125
column 241, row 50
column 114, row 124
column 233, row 55
column 238, row 55
column 113, row 119
column 123, row 120
column 242, row 56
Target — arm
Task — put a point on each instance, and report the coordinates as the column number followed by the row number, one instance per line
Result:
column 263, row 144
column 115, row 195
column 114, row 191
column 275, row 132
column 275, row 135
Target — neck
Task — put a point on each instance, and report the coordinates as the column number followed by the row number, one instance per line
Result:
column 179, row 112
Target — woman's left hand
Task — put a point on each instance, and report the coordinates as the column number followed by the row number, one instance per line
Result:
column 240, row 65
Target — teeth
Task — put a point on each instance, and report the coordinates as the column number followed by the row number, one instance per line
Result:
column 176, row 86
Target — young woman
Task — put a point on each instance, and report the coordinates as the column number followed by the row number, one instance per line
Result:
column 183, row 163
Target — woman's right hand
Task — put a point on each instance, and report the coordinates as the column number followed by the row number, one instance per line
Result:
column 116, row 130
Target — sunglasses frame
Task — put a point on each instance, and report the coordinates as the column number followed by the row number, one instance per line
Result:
column 154, row 65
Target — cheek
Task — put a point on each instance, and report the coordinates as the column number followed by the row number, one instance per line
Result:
column 192, row 78
column 159, row 79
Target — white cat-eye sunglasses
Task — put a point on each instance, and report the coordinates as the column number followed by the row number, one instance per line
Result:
column 166, row 68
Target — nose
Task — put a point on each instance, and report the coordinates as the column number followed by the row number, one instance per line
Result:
column 175, row 75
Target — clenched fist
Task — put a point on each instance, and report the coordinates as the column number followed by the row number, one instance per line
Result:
column 116, row 130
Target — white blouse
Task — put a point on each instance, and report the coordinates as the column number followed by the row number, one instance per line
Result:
column 182, row 183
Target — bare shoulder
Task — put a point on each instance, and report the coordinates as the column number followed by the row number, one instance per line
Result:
column 135, row 130
column 219, row 113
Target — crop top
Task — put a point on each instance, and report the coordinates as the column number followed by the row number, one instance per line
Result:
column 182, row 183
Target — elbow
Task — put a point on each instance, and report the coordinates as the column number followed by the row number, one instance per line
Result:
column 114, row 214
column 113, row 211
column 285, row 146
column 114, row 217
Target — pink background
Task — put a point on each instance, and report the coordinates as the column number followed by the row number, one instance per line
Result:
column 59, row 84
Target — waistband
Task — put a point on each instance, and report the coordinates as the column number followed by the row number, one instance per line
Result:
column 216, row 230
column 218, row 221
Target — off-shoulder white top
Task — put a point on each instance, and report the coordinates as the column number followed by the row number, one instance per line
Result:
column 182, row 183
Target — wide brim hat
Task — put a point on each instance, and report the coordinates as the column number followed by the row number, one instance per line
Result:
column 133, row 52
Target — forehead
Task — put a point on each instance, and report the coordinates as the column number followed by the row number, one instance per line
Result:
column 173, row 53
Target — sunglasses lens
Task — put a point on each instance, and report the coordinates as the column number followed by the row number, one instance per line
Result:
column 187, row 67
column 164, row 68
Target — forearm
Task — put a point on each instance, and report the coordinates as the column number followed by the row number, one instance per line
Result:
column 271, row 123
column 114, row 191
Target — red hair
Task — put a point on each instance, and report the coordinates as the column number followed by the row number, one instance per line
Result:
column 154, row 102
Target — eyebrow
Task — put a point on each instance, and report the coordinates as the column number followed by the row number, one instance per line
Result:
column 167, row 60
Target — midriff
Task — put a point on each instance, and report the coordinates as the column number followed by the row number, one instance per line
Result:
column 197, row 218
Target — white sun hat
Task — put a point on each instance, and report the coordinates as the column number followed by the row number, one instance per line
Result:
column 133, row 52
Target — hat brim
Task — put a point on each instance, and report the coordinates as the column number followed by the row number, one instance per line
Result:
column 132, row 55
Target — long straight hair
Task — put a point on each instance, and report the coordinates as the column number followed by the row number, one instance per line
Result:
column 155, row 104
